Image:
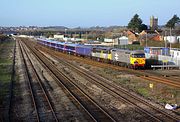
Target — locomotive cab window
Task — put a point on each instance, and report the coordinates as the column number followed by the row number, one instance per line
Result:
column 96, row 50
column 106, row 51
column 138, row 55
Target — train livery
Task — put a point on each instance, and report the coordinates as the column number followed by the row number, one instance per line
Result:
column 132, row 59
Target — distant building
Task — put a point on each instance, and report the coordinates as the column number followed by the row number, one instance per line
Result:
column 58, row 36
column 132, row 36
column 123, row 40
column 171, row 39
column 108, row 40
column 150, row 35
column 153, row 23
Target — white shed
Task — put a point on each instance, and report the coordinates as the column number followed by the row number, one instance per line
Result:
column 123, row 40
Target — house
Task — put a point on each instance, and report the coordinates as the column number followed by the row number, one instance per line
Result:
column 132, row 36
column 150, row 35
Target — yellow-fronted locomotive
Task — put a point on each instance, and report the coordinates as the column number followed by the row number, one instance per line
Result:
column 133, row 59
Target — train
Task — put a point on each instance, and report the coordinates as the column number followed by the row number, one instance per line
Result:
column 131, row 59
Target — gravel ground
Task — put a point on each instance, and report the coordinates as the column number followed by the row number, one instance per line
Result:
column 119, row 109
column 160, row 93
column 66, row 110
column 22, row 105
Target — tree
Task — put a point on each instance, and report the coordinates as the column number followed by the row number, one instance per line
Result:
column 171, row 23
column 135, row 23
column 143, row 27
column 49, row 34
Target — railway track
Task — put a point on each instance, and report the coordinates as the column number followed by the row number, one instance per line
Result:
column 156, row 113
column 169, row 78
column 162, row 80
column 174, row 82
column 41, row 100
column 95, row 112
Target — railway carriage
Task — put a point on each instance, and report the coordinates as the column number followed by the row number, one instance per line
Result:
column 53, row 44
column 60, row 46
column 43, row 41
column 70, row 48
column 48, row 43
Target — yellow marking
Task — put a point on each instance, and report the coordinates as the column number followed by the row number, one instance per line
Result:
column 139, row 60
column 109, row 56
column 101, row 54
column 151, row 85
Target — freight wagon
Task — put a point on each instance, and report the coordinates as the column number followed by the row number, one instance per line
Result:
column 83, row 50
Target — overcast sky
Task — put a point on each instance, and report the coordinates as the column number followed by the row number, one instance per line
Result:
column 84, row 13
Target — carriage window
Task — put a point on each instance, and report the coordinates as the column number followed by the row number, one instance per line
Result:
column 69, row 47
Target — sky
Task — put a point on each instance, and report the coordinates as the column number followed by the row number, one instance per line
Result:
column 84, row 13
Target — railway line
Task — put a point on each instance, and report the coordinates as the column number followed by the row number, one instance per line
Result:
column 92, row 109
column 155, row 114
column 162, row 80
column 143, row 106
column 174, row 82
column 40, row 99
column 169, row 78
